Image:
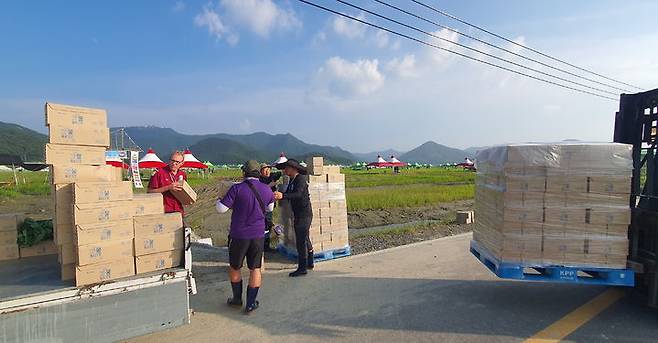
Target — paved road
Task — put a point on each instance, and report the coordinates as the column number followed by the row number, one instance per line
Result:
column 433, row 291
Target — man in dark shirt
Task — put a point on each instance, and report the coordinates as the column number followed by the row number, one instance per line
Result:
column 270, row 179
column 249, row 200
column 166, row 180
column 300, row 202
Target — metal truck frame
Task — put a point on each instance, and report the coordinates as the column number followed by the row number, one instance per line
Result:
column 636, row 123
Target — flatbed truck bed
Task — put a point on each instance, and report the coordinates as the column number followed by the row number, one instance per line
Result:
column 37, row 306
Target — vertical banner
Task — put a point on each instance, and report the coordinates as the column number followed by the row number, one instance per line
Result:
column 134, row 169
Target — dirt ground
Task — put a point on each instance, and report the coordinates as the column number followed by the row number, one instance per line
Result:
column 208, row 223
column 33, row 206
column 368, row 218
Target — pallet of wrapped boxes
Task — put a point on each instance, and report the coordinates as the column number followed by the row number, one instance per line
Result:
column 554, row 204
column 328, row 232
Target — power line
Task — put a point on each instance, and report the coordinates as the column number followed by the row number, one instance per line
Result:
column 454, row 52
column 497, row 47
column 474, row 49
column 443, row 13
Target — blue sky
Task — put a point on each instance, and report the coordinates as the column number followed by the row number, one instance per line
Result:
column 240, row 66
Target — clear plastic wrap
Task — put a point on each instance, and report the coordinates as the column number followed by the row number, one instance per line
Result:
column 555, row 204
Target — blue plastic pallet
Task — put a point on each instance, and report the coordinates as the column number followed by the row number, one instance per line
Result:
column 317, row 256
column 579, row 275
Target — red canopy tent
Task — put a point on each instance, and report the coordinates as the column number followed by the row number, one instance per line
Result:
column 151, row 160
column 115, row 162
column 467, row 164
column 191, row 162
column 394, row 162
column 381, row 163
column 282, row 159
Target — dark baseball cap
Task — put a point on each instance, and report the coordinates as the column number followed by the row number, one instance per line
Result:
column 251, row 166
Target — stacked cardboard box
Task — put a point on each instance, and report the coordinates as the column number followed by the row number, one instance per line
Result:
column 327, row 191
column 76, row 152
column 9, row 224
column 103, row 232
column 97, row 216
column 554, row 204
column 159, row 241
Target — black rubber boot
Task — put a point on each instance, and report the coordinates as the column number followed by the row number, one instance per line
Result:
column 298, row 272
column 234, row 302
column 309, row 261
column 251, row 308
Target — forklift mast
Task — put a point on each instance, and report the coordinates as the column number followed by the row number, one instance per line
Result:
column 636, row 123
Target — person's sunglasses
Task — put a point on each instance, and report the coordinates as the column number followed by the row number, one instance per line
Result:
column 176, row 162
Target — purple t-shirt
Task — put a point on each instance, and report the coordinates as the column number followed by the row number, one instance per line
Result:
column 247, row 219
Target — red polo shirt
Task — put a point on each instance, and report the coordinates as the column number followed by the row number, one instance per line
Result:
column 164, row 177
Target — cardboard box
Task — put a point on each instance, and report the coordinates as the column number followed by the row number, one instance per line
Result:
column 93, row 192
column 62, row 195
column 63, row 174
column 148, row 203
column 103, row 272
column 314, row 165
column 8, row 238
column 63, row 233
column 610, row 184
column 74, row 154
column 10, row 221
column 74, row 115
column 317, row 179
column 159, row 243
column 79, row 135
column 40, row 249
column 104, row 252
column 67, row 271
column 571, row 183
column 187, row 196
column 332, row 169
column 9, row 252
column 158, row 261
column 112, row 231
column 68, row 254
column 98, row 213
column 336, row 178
column 157, row 224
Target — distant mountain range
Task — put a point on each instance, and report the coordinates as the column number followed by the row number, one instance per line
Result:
column 228, row 149
column 27, row 144
column 434, row 153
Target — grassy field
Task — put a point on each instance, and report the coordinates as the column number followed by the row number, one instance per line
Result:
column 406, row 196
column 29, row 183
column 366, row 190
column 384, row 177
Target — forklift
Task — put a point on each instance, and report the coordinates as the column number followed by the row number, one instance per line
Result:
column 636, row 123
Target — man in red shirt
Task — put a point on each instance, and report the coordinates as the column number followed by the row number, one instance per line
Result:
column 166, row 180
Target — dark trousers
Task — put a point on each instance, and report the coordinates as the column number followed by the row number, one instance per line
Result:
column 302, row 226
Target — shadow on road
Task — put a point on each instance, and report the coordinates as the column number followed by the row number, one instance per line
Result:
column 326, row 304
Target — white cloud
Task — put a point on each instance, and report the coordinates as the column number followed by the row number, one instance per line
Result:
column 343, row 78
column 245, row 124
column 382, row 38
column 349, row 28
column 404, row 67
column 447, row 36
column 210, row 20
column 260, row 16
column 178, row 6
